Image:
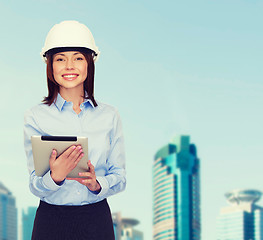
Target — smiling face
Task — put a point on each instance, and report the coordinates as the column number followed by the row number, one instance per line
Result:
column 70, row 70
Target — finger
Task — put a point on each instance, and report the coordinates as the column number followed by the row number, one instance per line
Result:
column 75, row 153
column 79, row 156
column 72, row 163
column 68, row 151
column 86, row 175
column 91, row 167
column 72, row 178
column 53, row 156
column 87, row 181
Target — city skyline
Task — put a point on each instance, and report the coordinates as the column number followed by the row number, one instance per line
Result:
column 8, row 214
column 125, row 228
column 176, row 191
column 243, row 219
column 170, row 68
column 28, row 217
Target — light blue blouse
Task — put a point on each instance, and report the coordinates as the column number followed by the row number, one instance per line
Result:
column 103, row 128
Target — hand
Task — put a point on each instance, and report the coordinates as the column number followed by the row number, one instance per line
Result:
column 89, row 179
column 60, row 167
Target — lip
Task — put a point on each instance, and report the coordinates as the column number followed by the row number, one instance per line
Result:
column 70, row 76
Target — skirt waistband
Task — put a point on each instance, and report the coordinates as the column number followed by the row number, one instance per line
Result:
column 72, row 208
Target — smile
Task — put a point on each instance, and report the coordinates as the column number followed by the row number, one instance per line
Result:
column 70, row 76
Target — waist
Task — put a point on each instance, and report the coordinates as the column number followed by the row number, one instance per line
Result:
column 72, row 193
column 44, row 206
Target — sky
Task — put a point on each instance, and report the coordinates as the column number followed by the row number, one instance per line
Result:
column 171, row 68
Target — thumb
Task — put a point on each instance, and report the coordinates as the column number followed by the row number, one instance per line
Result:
column 91, row 167
column 53, row 156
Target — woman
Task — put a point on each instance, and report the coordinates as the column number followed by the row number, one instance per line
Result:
column 75, row 208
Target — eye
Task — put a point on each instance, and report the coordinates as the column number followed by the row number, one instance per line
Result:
column 59, row 59
column 79, row 58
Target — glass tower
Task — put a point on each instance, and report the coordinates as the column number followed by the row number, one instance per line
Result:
column 243, row 220
column 28, row 222
column 124, row 228
column 176, row 192
column 8, row 215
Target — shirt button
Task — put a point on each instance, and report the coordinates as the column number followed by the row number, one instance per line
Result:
column 78, row 192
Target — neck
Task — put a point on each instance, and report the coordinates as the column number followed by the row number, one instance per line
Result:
column 73, row 95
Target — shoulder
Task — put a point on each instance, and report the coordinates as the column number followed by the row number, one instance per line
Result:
column 103, row 107
column 37, row 110
column 107, row 112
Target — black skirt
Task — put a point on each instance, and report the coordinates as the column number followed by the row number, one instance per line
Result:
column 87, row 222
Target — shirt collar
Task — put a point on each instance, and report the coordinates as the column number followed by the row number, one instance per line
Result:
column 60, row 102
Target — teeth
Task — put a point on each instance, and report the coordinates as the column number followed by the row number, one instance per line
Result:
column 69, row 76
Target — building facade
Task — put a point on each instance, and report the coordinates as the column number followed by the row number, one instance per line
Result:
column 124, row 228
column 28, row 218
column 243, row 220
column 176, row 192
column 8, row 215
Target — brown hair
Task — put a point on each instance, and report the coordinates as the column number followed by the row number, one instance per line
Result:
column 53, row 86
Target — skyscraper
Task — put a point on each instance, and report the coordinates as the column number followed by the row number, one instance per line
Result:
column 28, row 222
column 243, row 220
column 8, row 215
column 124, row 228
column 176, row 192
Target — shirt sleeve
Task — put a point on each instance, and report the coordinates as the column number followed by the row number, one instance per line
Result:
column 115, row 179
column 39, row 186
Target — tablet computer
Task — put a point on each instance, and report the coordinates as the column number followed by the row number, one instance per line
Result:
column 42, row 147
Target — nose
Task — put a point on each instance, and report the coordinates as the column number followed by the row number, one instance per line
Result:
column 69, row 65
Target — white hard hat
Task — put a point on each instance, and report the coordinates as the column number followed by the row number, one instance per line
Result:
column 69, row 34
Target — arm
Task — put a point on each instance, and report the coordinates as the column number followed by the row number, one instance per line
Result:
column 115, row 179
column 60, row 167
column 39, row 186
